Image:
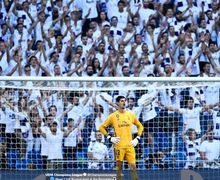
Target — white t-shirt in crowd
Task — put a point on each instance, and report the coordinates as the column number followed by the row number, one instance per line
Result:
column 11, row 120
column 211, row 149
column 54, row 145
column 216, row 123
column 192, row 149
column 191, row 118
column 100, row 152
column 44, row 143
column 85, row 5
column 71, row 139
column 148, row 112
column 2, row 117
column 211, row 94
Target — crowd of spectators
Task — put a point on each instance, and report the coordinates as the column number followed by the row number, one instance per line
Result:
column 45, row 129
column 109, row 38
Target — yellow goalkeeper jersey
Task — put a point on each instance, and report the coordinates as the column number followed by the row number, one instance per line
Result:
column 122, row 124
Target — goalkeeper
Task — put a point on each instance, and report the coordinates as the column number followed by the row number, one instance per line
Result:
column 122, row 120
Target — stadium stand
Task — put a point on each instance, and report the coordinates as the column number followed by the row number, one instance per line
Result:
column 106, row 38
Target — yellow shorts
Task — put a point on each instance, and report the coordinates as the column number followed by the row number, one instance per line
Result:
column 125, row 154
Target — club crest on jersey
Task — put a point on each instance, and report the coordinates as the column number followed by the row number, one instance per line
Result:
column 117, row 116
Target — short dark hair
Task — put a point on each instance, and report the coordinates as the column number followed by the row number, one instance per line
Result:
column 123, row 67
column 70, row 119
column 131, row 98
column 189, row 98
column 212, row 42
column 119, row 98
column 52, row 107
column 55, row 123
column 48, row 116
column 121, row 2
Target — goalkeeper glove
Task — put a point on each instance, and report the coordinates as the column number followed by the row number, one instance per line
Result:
column 135, row 141
column 114, row 140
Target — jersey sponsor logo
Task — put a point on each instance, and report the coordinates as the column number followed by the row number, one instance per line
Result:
column 123, row 124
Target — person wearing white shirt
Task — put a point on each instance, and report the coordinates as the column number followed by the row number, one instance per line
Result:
column 119, row 64
column 6, row 32
column 172, row 37
column 215, row 9
column 2, row 120
column 45, row 127
column 76, row 23
column 145, row 12
column 204, row 4
column 137, row 46
column 101, row 53
column 191, row 115
column 210, row 150
column 146, row 67
column 88, row 7
column 211, row 94
column 148, row 103
column 33, row 9
column 54, row 139
column 190, row 51
column 34, row 68
column 169, row 16
column 122, row 15
column 150, row 36
column 76, row 110
column 54, row 111
column 11, row 117
column 89, row 71
column 215, row 54
column 181, row 66
column 4, row 55
column 112, row 6
column 179, row 22
column 70, row 142
column 192, row 13
column 115, row 31
column 129, row 32
column 97, row 153
column 136, row 24
column 215, row 123
column 44, row 24
column 135, row 5
column 181, row 5
column 24, row 13
column 59, row 4
column 192, row 148
column 99, row 116
column 14, row 66
column 84, row 43
column 96, row 30
column 21, row 35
